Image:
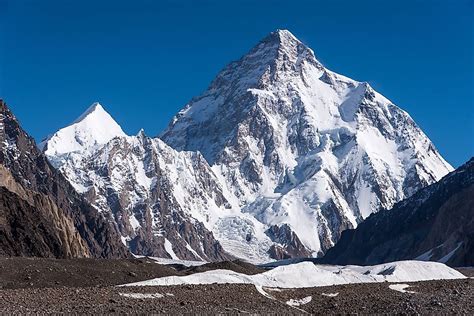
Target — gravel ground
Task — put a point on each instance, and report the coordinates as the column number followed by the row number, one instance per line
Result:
column 431, row 297
column 21, row 272
column 86, row 286
column 467, row 271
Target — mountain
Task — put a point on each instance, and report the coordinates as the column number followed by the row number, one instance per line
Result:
column 146, row 188
column 40, row 212
column 296, row 144
column 436, row 224
column 274, row 160
column 95, row 127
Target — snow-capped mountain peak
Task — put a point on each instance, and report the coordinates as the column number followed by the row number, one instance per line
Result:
column 302, row 146
column 95, row 127
column 283, row 40
column 276, row 158
column 95, row 108
column 289, row 51
column 279, row 39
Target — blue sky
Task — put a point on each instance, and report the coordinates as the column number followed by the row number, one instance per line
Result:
column 143, row 60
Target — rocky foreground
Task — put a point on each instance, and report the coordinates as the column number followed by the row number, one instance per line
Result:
column 88, row 286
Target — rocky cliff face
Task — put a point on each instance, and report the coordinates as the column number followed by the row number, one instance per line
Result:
column 32, row 225
column 296, row 144
column 276, row 159
column 156, row 197
column 40, row 213
column 436, row 224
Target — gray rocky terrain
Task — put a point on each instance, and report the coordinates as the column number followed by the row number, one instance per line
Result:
column 86, row 286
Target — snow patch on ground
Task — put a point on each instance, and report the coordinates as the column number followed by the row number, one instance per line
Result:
column 262, row 291
column 400, row 288
column 142, row 295
column 302, row 301
column 330, row 294
column 186, row 263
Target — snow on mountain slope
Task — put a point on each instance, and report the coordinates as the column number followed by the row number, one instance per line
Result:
column 297, row 144
column 275, row 159
column 307, row 274
column 157, row 197
column 164, row 202
column 93, row 128
column 436, row 224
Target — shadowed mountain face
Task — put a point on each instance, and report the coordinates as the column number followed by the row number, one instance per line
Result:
column 40, row 212
column 436, row 224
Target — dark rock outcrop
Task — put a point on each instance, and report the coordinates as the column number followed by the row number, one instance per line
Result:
column 288, row 244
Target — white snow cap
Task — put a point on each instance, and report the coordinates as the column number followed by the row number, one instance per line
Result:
column 93, row 128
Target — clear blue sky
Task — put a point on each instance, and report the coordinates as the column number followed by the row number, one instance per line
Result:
column 143, row 60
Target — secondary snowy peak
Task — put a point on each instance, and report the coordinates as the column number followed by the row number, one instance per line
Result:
column 158, row 198
column 295, row 143
column 93, row 128
column 41, row 214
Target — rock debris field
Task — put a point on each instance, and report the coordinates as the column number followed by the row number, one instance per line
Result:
column 31, row 285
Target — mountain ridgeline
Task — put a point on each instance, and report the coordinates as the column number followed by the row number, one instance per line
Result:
column 436, row 224
column 274, row 160
column 40, row 212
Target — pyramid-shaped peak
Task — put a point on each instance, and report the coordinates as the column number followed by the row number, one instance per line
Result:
column 93, row 128
column 96, row 107
column 97, row 119
column 281, row 44
column 282, row 38
column 284, row 35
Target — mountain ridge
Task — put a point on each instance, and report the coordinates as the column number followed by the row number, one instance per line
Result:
column 40, row 213
column 294, row 153
column 435, row 224
column 291, row 115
